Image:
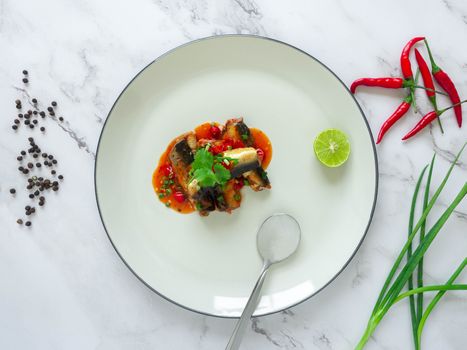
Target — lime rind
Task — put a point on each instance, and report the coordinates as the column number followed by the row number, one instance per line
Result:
column 332, row 147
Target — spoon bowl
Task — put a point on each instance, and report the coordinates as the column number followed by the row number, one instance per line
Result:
column 278, row 238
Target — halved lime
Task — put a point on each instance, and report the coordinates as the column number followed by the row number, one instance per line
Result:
column 332, row 147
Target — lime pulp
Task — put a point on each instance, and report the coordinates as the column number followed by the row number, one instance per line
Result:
column 332, row 147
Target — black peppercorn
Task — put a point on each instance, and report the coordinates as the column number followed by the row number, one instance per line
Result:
column 25, row 72
column 28, row 223
column 25, row 80
column 34, row 100
column 12, row 191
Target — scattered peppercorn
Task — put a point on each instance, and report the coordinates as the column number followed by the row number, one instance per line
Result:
column 34, row 100
column 61, row 119
column 60, row 177
column 50, row 109
column 28, row 223
column 54, row 103
column 25, row 72
column 42, row 129
column 31, row 195
column 12, row 191
column 14, row 127
column 19, row 221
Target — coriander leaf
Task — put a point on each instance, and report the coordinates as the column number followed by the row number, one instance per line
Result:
column 205, row 177
column 203, row 159
column 222, row 174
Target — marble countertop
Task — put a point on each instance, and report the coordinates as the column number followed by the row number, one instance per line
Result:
column 62, row 284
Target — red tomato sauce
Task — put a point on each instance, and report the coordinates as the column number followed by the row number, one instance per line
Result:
column 165, row 184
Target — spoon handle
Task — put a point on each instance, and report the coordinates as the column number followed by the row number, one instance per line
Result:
column 237, row 335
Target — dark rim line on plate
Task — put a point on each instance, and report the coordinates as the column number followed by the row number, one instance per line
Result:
column 364, row 119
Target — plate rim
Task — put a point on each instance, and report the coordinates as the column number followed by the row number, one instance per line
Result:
column 259, row 37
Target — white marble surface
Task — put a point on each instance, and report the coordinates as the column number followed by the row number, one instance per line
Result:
column 63, row 286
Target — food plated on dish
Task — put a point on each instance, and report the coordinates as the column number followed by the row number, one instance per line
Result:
column 204, row 170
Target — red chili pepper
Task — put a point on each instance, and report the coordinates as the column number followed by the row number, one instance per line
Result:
column 405, row 60
column 389, row 83
column 167, row 170
column 238, row 185
column 215, row 131
column 426, row 76
column 260, row 153
column 398, row 114
column 179, row 196
column 446, row 83
column 422, row 123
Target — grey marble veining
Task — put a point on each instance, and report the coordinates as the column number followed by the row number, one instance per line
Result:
column 62, row 285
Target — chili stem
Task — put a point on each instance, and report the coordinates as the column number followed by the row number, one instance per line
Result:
column 428, row 89
column 454, row 105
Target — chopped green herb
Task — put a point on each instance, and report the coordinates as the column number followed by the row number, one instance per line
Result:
column 244, row 137
column 220, row 199
column 237, row 197
column 264, row 175
column 207, row 170
column 167, row 204
column 246, row 182
column 198, row 206
column 168, row 192
column 161, row 195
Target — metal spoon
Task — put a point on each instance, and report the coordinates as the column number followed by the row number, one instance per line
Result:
column 277, row 239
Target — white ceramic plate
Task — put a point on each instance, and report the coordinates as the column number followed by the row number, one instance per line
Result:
column 210, row 264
